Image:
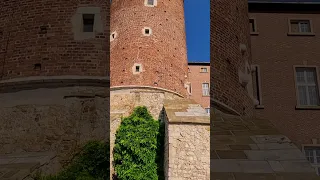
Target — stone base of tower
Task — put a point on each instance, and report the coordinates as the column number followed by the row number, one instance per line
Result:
column 185, row 121
column 58, row 120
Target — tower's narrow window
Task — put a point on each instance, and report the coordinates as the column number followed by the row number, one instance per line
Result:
column 88, row 22
column 137, row 68
column 147, row 31
column 113, row 36
column 150, row 3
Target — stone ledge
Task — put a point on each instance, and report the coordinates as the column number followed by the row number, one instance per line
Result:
column 30, row 83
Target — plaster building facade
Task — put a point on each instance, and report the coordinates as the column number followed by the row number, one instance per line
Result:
column 199, row 78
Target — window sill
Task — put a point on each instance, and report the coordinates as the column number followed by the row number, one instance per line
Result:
column 259, row 106
column 301, row 34
column 307, row 107
column 254, row 33
column 205, row 95
column 204, row 72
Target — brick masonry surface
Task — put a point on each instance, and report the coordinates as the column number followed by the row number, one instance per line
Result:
column 162, row 55
column 34, row 33
column 196, row 78
column 229, row 29
column 277, row 53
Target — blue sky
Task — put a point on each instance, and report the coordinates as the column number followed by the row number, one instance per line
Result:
column 197, row 17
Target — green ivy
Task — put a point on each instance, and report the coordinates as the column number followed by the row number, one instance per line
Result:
column 91, row 163
column 136, row 147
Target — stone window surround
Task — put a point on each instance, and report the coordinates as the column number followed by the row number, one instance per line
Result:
column 255, row 27
column 315, row 145
column 299, row 107
column 115, row 36
column 290, row 33
column 134, row 68
column 259, row 87
column 155, row 3
column 150, row 31
column 77, row 23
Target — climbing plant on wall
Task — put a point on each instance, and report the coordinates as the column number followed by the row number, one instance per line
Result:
column 136, row 146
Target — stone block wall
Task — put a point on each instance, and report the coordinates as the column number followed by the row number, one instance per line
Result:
column 59, row 120
column 187, row 142
column 125, row 99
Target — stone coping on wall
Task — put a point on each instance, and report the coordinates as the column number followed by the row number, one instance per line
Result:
column 115, row 88
column 36, row 82
column 185, row 111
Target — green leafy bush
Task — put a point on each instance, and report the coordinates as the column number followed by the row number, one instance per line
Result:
column 91, row 163
column 136, row 147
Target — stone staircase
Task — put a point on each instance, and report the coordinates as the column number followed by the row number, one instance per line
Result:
column 245, row 149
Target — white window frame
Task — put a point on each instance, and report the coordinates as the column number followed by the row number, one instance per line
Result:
column 207, row 110
column 146, row 3
column 316, row 163
column 297, row 84
column 302, row 27
column 205, row 89
column 206, row 70
column 300, row 21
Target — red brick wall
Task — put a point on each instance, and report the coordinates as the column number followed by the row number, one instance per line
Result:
column 229, row 29
column 196, row 78
column 277, row 53
column 22, row 44
column 162, row 55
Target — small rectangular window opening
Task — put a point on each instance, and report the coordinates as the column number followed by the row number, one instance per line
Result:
column 147, row 31
column 137, row 68
column 88, row 22
column 151, row 2
column 300, row 26
column 252, row 25
column 204, row 69
column 205, row 89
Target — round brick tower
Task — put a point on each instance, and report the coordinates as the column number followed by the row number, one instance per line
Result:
column 230, row 57
column 53, row 38
column 148, row 44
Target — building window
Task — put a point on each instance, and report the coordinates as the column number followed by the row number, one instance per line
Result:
column 313, row 156
column 204, row 70
column 300, row 26
column 253, row 26
column 146, row 31
column 205, row 89
column 113, row 36
column 256, row 81
column 307, row 86
column 88, row 22
column 150, row 3
column 208, row 110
